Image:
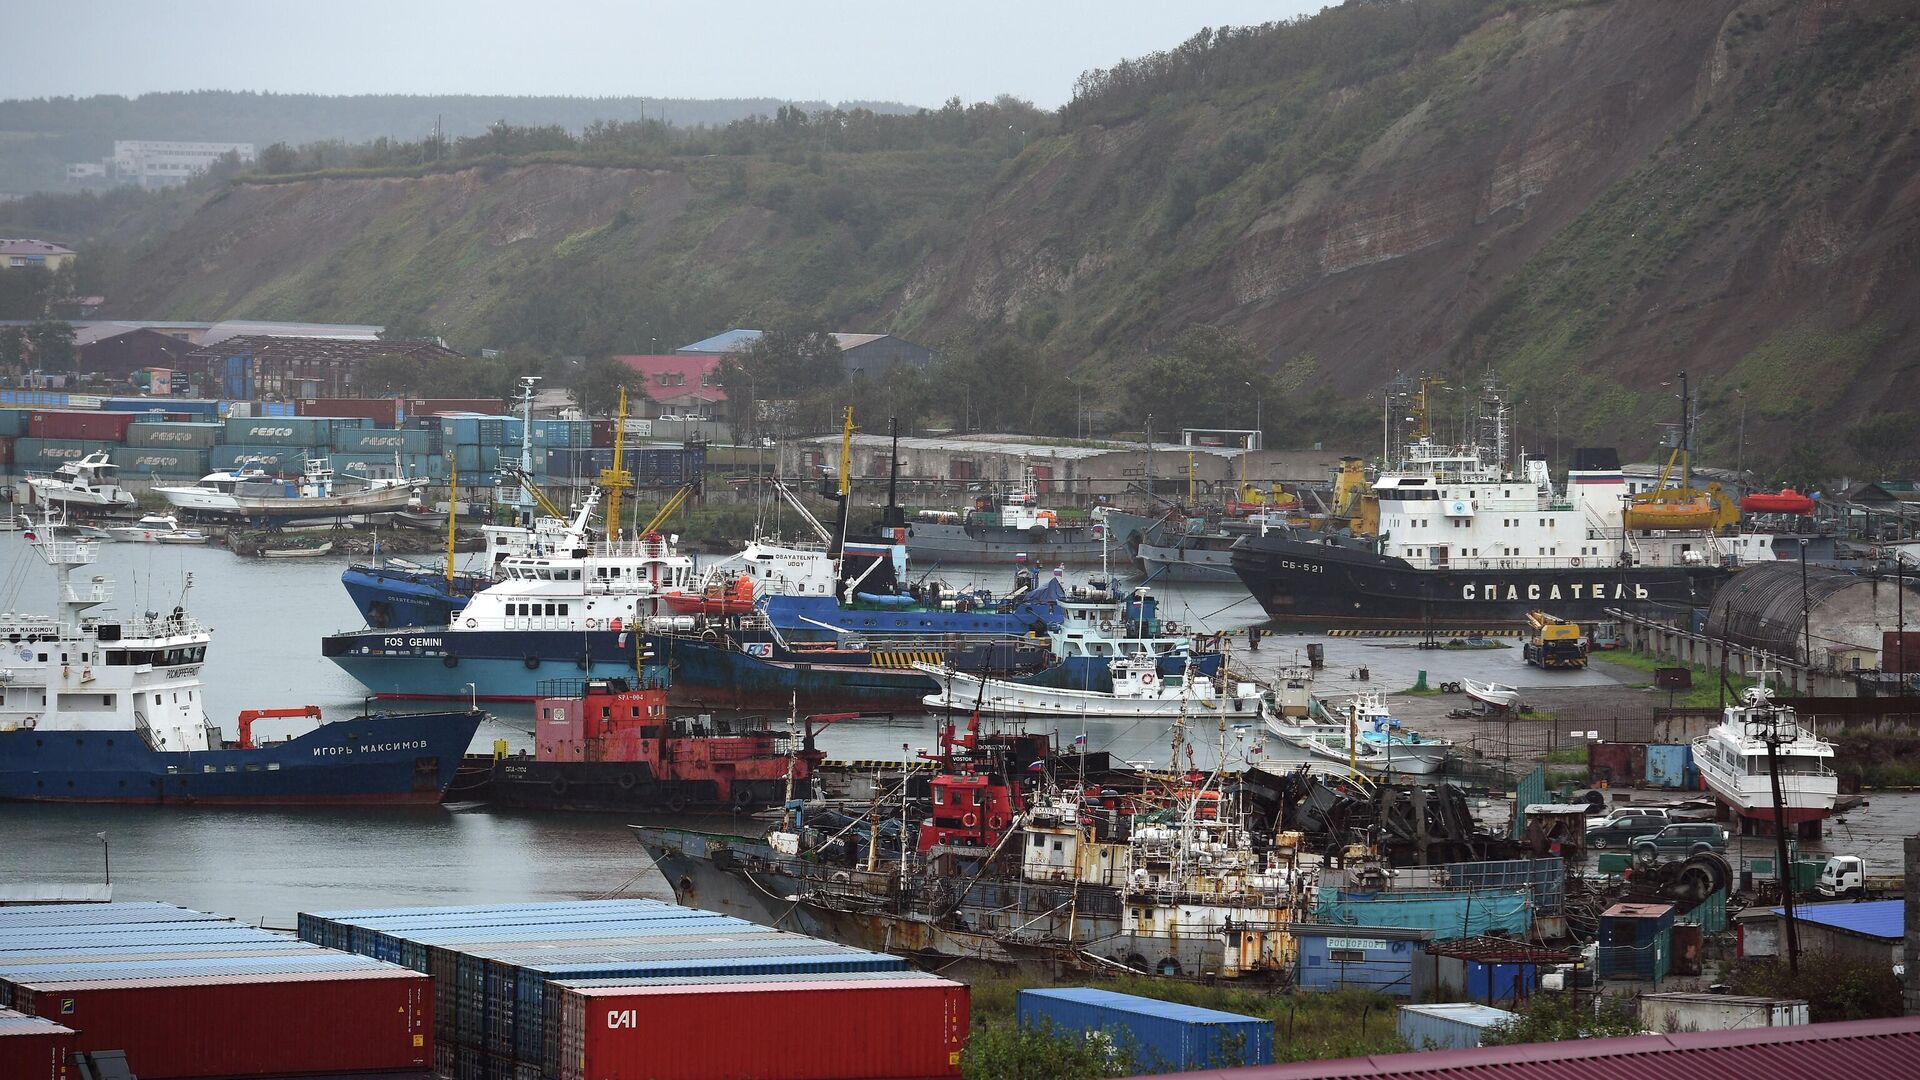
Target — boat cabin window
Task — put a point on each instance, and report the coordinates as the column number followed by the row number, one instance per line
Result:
column 1039, row 841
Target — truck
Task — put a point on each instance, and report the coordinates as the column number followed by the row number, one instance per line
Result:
column 1553, row 642
column 1847, row 876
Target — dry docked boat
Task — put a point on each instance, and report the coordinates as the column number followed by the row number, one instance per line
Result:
column 1371, row 739
column 155, row 529
column 1138, row 690
column 253, row 494
column 1732, row 759
column 1496, row 695
column 86, row 484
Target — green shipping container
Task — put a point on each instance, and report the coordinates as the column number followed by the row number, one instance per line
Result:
column 387, row 441
column 172, row 435
column 40, row 454
column 290, row 430
column 138, row 462
column 13, row 423
column 271, row 458
column 381, row 466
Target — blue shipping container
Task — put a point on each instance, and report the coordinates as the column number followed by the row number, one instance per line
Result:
column 382, row 441
column 1162, row 1036
column 13, row 423
column 1671, row 767
column 1358, row 957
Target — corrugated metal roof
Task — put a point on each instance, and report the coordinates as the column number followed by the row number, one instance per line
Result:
column 1760, row 606
column 1875, row 918
column 1882, row 1048
column 1464, row 1012
column 1145, row 1006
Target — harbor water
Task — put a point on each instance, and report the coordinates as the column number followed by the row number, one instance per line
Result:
column 265, row 864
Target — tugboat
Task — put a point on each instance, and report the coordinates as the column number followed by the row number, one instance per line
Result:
column 111, row 710
column 1466, row 541
column 609, row 745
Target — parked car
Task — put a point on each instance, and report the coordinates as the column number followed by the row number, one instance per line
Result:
column 1682, row 838
column 1618, row 812
column 1617, row 832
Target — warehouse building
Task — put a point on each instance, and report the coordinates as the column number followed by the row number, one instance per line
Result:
column 292, row 368
column 1847, row 615
column 867, row 355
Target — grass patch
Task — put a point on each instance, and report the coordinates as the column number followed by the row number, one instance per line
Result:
column 1573, row 756
column 1706, row 684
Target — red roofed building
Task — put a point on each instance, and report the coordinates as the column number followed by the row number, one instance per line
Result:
column 679, row 385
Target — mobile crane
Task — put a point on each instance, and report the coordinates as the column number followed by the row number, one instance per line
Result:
column 1554, row 642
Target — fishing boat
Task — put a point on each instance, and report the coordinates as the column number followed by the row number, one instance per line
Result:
column 84, row 485
column 1138, row 691
column 99, row 708
column 999, row 527
column 1469, row 538
column 1493, row 694
column 155, row 529
column 1294, row 714
column 1733, row 761
column 1372, row 740
column 1099, row 624
column 1017, row 864
column 611, row 745
column 253, row 494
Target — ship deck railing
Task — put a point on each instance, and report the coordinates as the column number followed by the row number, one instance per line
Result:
column 160, row 626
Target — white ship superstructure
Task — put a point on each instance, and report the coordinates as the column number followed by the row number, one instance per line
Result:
column 1732, row 759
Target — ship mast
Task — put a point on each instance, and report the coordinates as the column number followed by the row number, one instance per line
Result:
column 523, row 498
column 63, row 556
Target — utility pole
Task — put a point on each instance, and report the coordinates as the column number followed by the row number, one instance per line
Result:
column 106, row 856
column 1763, row 722
column 1806, row 620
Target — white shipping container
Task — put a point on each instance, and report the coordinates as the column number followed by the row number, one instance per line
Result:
column 1718, row 1012
column 1452, row 1026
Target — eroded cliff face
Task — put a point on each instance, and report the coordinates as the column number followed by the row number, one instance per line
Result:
column 1588, row 198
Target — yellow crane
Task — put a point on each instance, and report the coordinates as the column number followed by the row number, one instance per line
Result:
column 615, row 480
column 666, row 511
column 1556, row 642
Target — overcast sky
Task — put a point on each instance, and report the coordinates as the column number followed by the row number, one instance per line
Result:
column 916, row 52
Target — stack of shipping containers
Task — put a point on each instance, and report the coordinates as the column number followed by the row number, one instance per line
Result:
column 189, row 994
column 637, row 988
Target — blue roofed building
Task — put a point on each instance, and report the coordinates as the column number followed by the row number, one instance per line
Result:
column 1871, row 932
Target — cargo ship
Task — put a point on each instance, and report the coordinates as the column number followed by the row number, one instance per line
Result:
column 1465, row 540
column 1001, row 527
column 102, row 709
column 610, row 745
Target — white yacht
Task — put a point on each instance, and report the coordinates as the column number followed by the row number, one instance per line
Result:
column 155, row 529
column 1732, row 759
column 87, row 484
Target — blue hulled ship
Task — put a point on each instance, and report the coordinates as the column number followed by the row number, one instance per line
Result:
column 103, row 709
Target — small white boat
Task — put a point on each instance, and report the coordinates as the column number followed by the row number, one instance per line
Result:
column 249, row 492
column 1138, row 690
column 89, row 483
column 1373, row 740
column 298, row 552
column 1492, row 694
column 155, row 529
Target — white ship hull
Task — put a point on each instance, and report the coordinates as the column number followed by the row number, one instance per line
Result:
column 55, row 492
column 964, row 693
column 369, row 501
column 1376, row 758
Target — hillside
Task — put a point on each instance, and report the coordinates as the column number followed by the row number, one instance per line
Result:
column 1588, row 196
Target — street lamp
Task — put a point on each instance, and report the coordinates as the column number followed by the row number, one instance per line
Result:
column 1740, row 455
column 106, row 857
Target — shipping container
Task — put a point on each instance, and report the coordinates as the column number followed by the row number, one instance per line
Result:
column 274, row 459
column 36, row 453
column 1454, row 1026
column 1636, row 942
column 1161, row 1035
column 801, row 1030
column 382, row 441
column 573, row 464
column 432, row 407
column 79, row 424
column 174, row 435
column 139, row 462
column 563, row 433
column 121, row 912
column 6, row 449
column 13, row 422
column 1718, row 1012
column 384, row 412
column 249, row 1025
column 290, row 430
column 1671, row 766
column 472, row 460
column 33, row 1047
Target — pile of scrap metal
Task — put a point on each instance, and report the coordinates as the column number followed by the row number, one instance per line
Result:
column 1403, row 824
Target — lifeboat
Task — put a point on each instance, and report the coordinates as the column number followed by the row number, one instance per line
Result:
column 717, row 598
column 1787, row 501
column 1679, row 514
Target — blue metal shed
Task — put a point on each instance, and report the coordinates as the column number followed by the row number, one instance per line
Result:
column 1163, row 1036
column 1386, row 960
column 1451, row 1026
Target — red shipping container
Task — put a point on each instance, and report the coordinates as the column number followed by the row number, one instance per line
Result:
column 906, row 1027
column 603, row 433
column 32, row 1048
column 382, row 411
column 249, row 1025
column 74, row 424
column 6, row 450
